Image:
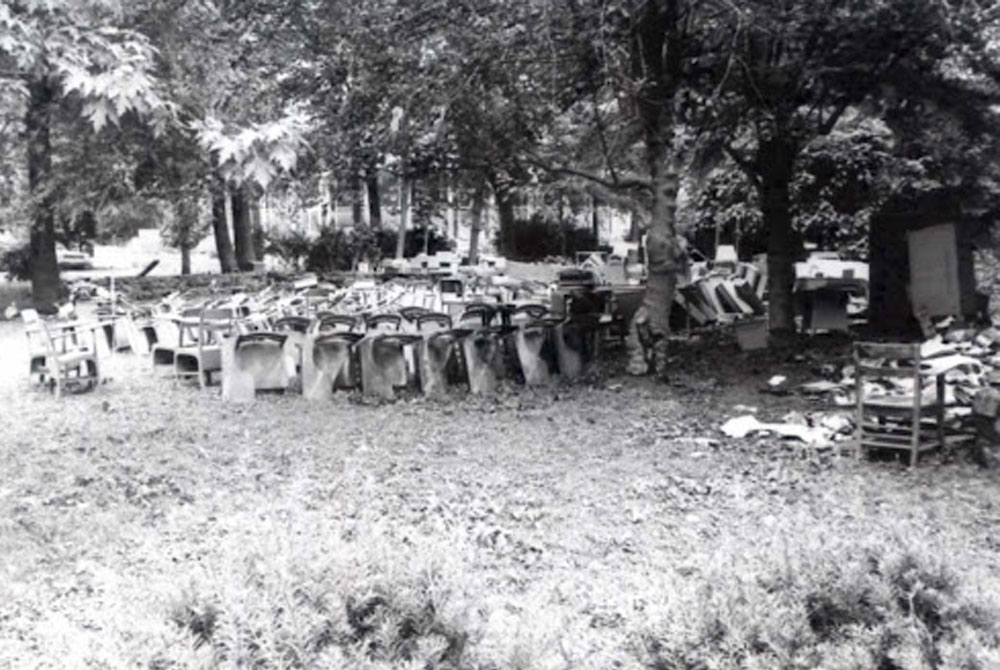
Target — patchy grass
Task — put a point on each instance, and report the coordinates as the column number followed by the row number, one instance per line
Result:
column 144, row 525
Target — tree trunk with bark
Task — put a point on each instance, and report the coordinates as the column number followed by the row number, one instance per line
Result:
column 185, row 258
column 452, row 225
column 664, row 254
column 220, row 229
column 563, row 238
column 45, row 285
column 374, row 199
column 505, row 217
column 404, row 215
column 257, row 225
column 656, row 55
column 776, row 161
column 595, row 219
column 243, row 230
column 478, row 207
column 357, row 201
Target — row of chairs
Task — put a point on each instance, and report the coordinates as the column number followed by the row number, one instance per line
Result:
column 376, row 353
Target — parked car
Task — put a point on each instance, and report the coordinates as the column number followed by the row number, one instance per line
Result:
column 73, row 260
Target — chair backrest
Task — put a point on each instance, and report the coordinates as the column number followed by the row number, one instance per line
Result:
column 384, row 322
column 215, row 323
column 298, row 324
column 316, row 297
column 413, row 312
column 328, row 322
column 433, row 321
column 481, row 311
column 533, row 310
column 890, row 359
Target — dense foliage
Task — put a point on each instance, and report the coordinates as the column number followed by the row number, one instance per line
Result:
column 791, row 122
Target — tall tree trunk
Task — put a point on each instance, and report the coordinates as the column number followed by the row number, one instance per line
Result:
column 220, row 229
column 374, row 199
column 87, row 226
column 44, row 267
column 595, row 219
column 242, row 230
column 404, row 215
column 656, row 63
column 505, row 217
column 563, row 237
column 478, row 207
column 256, row 225
column 357, row 201
column 186, row 211
column 662, row 247
column 452, row 220
column 185, row 258
column 776, row 159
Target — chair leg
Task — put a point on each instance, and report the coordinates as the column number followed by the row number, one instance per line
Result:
column 939, row 387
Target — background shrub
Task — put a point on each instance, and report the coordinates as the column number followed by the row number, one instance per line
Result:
column 16, row 262
column 537, row 238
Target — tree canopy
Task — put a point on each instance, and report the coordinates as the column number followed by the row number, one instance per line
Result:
column 792, row 121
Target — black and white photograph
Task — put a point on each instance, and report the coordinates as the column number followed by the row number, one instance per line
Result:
column 500, row 334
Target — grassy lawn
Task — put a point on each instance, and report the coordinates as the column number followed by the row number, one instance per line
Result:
column 597, row 526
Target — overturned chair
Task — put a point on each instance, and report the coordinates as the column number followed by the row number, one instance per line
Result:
column 173, row 330
column 535, row 344
column 257, row 361
column 329, row 362
column 576, row 344
column 439, row 353
column 484, row 353
column 204, row 357
column 385, row 363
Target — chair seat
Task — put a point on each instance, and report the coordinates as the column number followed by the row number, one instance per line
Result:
column 209, row 357
column 74, row 358
column 904, row 402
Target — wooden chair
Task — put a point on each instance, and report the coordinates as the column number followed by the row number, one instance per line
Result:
column 896, row 421
column 68, row 363
column 200, row 359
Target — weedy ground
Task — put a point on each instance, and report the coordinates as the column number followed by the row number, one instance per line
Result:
column 601, row 525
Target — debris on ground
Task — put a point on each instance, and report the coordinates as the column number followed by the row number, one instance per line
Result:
column 820, row 430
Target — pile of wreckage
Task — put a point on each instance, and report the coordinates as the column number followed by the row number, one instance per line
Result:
column 963, row 361
column 830, row 293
